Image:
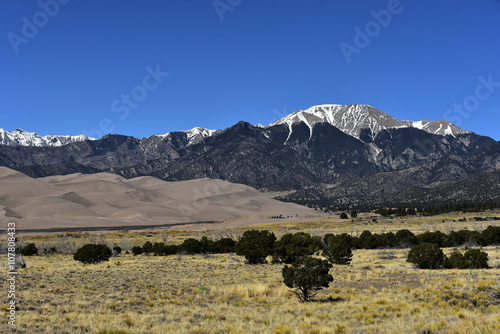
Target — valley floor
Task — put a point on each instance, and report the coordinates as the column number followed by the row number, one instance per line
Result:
column 378, row 293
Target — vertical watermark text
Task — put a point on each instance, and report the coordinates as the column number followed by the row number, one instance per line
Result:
column 11, row 274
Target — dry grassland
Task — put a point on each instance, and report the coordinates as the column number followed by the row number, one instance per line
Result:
column 379, row 293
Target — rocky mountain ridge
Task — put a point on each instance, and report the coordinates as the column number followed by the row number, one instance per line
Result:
column 323, row 152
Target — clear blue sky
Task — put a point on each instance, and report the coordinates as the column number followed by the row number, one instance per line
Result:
column 86, row 65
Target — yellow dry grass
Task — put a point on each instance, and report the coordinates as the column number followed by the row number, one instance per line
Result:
column 379, row 293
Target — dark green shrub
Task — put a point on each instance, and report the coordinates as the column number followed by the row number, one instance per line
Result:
column 465, row 236
column 438, row 238
column 386, row 240
column 306, row 276
column 116, row 250
column 256, row 245
column 477, row 258
column 29, row 249
column 159, row 249
column 491, row 235
column 147, row 247
column 290, row 247
column 426, row 255
column 405, row 239
column 338, row 250
column 343, row 215
column 92, row 253
column 170, row 249
column 137, row 250
column 456, row 260
column 191, row 246
column 367, row 240
column 225, row 245
column 208, row 246
column 49, row 251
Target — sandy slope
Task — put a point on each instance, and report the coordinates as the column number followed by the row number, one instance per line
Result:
column 104, row 199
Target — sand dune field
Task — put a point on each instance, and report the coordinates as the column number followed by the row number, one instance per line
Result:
column 107, row 200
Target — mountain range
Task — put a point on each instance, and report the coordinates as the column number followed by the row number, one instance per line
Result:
column 343, row 154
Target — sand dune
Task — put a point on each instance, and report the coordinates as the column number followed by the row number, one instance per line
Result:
column 103, row 200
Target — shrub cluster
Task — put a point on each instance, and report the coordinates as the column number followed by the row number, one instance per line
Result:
column 257, row 245
column 428, row 255
column 406, row 239
column 92, row 253
column 188, row 246
column 29, row 250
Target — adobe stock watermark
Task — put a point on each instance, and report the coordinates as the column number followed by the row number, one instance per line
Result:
column 223, row 6
column 278, row 114
column 30, row 27
column 126, row 102
column 11, row 273
column 372, row 29
column 483, row 91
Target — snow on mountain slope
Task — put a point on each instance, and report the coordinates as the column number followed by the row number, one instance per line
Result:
column 351, row 119
column 195, row 135
column 20, row 137
column 436, row 127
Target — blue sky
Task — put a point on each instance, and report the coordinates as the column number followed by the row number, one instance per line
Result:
column 148, row 67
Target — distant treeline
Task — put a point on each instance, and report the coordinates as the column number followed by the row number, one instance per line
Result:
column 397, row 209
column 289, row 244
column 294, row 245
column 432, row 210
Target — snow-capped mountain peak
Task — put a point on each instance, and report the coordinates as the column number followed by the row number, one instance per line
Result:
column 20, row 137
column 195, row 135
column 351, row 119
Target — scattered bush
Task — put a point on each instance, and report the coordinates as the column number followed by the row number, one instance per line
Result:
column 291, row 247
column 92, row 253
column 491, row 235
column 438, row 238
column 29, row 250
column 225, row 245
column 137, row 250
column 477, row 258
column 456, row 260
column 160, row 249
column 343, row 215
column 306, row 276
column 426, row 255
column 367, row 240
column 147, row 247
column 49, row 251
column 338, row 249
column 256, row 245
column 464, row 236
column 191, row 246
column 116, row 250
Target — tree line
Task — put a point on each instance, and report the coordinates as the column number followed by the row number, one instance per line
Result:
column 257, row 245
column 396, row 209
